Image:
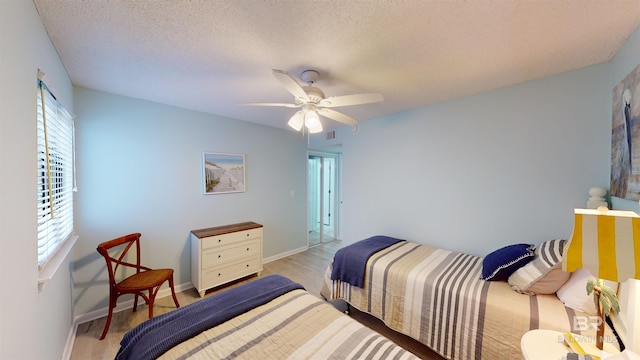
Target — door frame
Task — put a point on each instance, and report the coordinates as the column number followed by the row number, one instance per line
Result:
column 337, row 190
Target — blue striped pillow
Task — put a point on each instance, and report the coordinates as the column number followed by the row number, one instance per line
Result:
column 544, row 274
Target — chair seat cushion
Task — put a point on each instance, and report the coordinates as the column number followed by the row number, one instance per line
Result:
column 144, row 280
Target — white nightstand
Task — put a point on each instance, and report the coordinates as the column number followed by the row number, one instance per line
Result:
column 542, row 344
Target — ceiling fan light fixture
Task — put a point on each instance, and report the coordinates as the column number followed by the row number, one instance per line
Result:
column 316, row 129
column 296, row 121
column 312, row 120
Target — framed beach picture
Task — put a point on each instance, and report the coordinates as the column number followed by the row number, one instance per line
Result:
column 222, row 173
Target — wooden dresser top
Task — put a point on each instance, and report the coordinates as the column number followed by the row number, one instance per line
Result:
column 225, row 229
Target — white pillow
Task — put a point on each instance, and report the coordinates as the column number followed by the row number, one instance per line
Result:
column 573, row 293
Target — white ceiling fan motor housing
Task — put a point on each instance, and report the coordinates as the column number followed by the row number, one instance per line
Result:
column 315, row 95
column 310, row 77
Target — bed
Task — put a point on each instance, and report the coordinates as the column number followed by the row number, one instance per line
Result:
column 268, row 318
column 437, row 297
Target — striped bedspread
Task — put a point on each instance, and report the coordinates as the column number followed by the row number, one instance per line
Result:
column 268, row 318
column 153, row 337
column 296, row 325
column 436, row 296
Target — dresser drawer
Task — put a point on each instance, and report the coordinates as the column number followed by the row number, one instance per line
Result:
column 220, row 275
column 217, row 256
column 225, row 253
column 228, row 239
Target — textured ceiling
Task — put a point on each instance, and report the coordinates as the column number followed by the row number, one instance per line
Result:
column 210, row 55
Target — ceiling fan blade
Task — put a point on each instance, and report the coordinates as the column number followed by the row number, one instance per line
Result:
column 291, row 84
column 337, row 116
column 355, row 99
column 271, row 104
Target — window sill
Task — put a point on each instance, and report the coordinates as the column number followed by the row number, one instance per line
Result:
column 51, row 267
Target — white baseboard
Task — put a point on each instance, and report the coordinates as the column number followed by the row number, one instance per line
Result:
column 71, row 338
column 97, row 314
column 127, row 305
column 284, row 254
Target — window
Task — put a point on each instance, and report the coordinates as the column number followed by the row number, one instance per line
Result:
column 55, row 173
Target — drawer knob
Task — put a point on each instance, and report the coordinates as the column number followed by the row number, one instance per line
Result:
column 219, row 240
column 247, row 265
column 219, row 274
column 219, row 256
column 247, row 234
column 247, row 249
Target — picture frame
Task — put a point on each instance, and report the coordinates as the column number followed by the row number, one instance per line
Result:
column 223, row 173
column 625, row 138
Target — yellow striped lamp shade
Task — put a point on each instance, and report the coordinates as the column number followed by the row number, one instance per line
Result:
column 606, row 242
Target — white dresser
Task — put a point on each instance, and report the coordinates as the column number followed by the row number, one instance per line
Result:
column 225, row 253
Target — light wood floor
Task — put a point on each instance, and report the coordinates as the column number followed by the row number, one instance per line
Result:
column 306, row 268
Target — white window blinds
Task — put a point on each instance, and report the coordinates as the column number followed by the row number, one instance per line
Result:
column 55, row 174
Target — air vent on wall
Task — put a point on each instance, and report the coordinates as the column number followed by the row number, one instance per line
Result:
column 330, row 135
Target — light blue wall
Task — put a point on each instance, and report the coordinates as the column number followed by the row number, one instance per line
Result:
column 139, row 170
column 500, row 167
column 32, row 325
column 477, row 173
column 480, row 172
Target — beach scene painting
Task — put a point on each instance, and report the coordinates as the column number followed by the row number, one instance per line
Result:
column 223, row 173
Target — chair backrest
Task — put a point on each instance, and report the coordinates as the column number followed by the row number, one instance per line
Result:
column 118, row 256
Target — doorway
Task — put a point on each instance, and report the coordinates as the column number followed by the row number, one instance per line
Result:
column 323, row 194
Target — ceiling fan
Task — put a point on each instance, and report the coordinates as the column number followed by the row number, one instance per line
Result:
column 313, row 103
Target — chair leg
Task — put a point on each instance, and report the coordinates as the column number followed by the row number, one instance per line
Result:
column 135, row 303
column 112, row 304
column 173, row 292
column 152, row 298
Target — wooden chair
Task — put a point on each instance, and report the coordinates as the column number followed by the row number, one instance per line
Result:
column 144, row 278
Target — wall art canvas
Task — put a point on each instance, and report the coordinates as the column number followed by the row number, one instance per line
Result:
column 223, row 173
column 625, row 138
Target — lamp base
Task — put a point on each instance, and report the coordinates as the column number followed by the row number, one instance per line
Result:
column 600, row 331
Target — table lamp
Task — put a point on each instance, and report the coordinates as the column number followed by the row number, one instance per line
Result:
column 607, row 243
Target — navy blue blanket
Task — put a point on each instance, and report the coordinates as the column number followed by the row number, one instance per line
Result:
column 350, row 262
column 155, row 336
